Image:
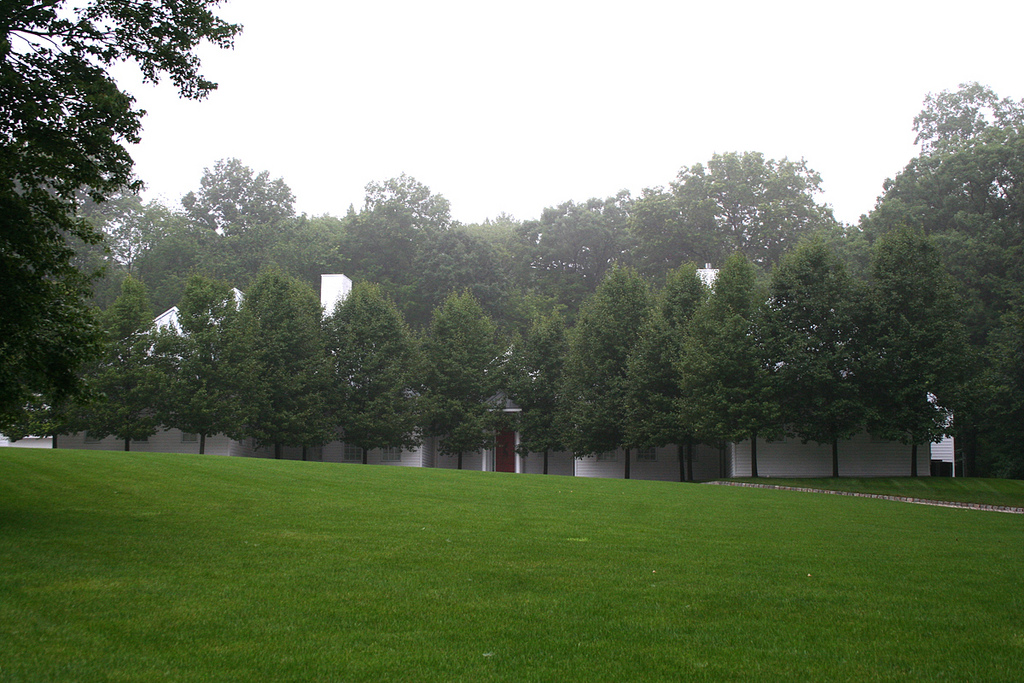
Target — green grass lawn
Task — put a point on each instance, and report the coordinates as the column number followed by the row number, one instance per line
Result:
column 1009, row 492
column 144, row 567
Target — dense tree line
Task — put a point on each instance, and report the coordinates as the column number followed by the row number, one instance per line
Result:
column 592, row 316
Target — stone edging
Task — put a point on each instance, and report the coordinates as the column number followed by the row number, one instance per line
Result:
column 901, row 499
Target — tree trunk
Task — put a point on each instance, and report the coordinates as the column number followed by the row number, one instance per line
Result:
column 682, row 463
column 53, row 441
column 365, row 451
column 545, row 461
column 459, row 466
column 277, row 451
column 202, row 444
column 303, row 453
column 913, row 460
column 835, row 458
column 689, row 460
column 127, row 445
column 753, row 453
column 627, row 462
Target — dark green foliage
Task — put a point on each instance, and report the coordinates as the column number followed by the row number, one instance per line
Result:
column 63, row 128
column 452, row 261
column 919, row 353
column 206, row 363
column 127, row 378
column 232, row 199
column 739, row 202
column 965, row 192
column 383, row 238
column 595, row 372
column 284, row 390
column 461, row 374
column 567, row 253
column 534, row 382
column 814, row 321
column 725, row 372
column 372, row 358
column 1003, row 415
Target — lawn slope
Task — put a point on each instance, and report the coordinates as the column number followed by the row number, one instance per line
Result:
column 139, row 567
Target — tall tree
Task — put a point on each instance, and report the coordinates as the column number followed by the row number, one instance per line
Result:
column 285, row 391
column 373, row 358
column 966, row 192
column 383, row 237
column 206, row 360
column 920, row 345
column 725, row 373
column 653, row 384
column 738, row 202
column 461, row 374
column 63, row 130
column 233, row 199
column 815, row 324
column 534, row 382
column 127, row 378
column 567, row 253
column 595, row 372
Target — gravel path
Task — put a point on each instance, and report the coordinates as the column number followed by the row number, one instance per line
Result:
column 901, row 499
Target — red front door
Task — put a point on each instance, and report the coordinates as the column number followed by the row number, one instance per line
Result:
column 505, row 451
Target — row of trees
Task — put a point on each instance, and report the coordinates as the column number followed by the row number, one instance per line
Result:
column 404, row 237
column 811, row 352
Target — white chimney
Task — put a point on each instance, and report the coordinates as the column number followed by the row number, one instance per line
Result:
column 333, row 288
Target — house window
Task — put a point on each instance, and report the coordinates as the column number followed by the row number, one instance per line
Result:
column 391, row 454
column 607, row 455
column 92, row 439
column 353, row 453
column 647, row 454
column 189, row 437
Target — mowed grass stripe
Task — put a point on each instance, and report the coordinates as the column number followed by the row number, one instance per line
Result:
column 119, row 566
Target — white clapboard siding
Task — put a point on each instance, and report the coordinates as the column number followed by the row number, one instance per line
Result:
column 591, row 466
column 478, row 460
column 560, row 463
column 861, row 456
column 28, row 442
column 942, row 450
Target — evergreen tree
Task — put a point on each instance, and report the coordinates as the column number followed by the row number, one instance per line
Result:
column 595, row 372
column 285, row 389
column 461, row 358
column 372, row 356
column 653, row 384
column 814, row 316
column 725, row 375
column 127, row 379
column 920, row 346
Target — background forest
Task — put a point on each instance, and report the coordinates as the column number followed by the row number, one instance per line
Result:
column 949, row 274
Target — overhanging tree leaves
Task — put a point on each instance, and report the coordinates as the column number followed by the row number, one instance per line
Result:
column 64, row 125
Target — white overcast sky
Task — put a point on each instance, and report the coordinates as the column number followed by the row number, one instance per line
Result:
column 512, row 107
